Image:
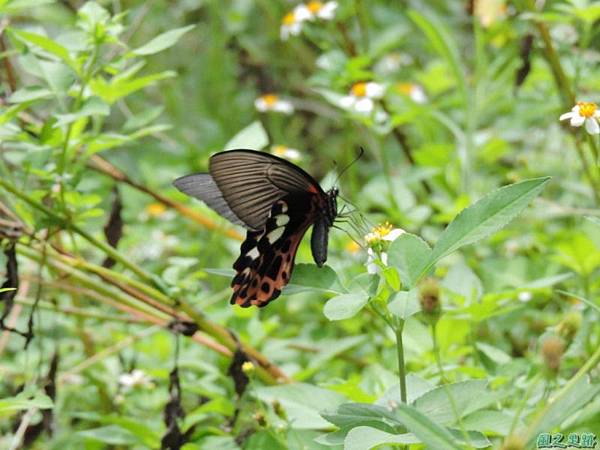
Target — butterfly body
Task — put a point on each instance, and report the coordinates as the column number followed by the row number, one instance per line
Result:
column 276, row 202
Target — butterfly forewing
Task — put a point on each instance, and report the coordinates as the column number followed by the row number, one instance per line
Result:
column 251, row 182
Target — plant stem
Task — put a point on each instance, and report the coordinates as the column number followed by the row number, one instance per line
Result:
column 400, row 353
column 438, row 360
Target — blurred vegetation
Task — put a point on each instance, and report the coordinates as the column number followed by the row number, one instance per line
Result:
column 116, row 326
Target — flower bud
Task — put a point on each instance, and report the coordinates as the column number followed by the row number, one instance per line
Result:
column 429, row 297
column 553, row 348
column 569, row 325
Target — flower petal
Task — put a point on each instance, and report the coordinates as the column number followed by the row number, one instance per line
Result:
column 566, row 116
column 347, row 101
column 577, row 120
column 394, row 234
column 364, row 105
column 327, row 12
column 374, row 90
column 591, row 126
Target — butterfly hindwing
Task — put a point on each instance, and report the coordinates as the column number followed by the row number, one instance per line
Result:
column 266, row 261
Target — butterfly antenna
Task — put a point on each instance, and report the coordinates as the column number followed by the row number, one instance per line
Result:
column 360, row 154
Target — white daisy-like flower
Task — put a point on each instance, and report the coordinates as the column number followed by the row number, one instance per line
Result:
column 412, row 90
column 291, row 24
column 135, row 378
column 392, row 62
column 362, row 96
column 584, row 113
column 272, row 102
column 381, row 233
column 286, row 152
column 324, row 11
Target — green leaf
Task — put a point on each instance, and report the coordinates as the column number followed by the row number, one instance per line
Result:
column 351, row 415
column 366, row 438
column 488, row 421
column 485, row 217
column 301, row 403
column 29, row 93
column 345, row 306
column 25, row 400
column 409, row 254
column 47, row 44
column 93, row 106
column 468, row 396
column 162, row 41
column 111, row 434
column 404, row 304
column 430, row 433
column 252, row 137
column 572, row 398
column 309, row 277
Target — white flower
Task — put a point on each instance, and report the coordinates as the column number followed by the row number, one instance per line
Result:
column 291, row 24
column 286, row 152
column 136, row 378
column 414, row 91
column 272, row 102
column 524, row 296
column 361, row 97
column 324, row 11
column 584, row 112
column 392, row 62
column 374, row 239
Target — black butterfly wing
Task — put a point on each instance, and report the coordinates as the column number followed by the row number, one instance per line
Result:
column 266, row 258
column 243, row 185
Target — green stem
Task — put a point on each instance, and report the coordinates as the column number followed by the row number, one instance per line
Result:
column 565, row 391
column 400, row 353
column 438, row 360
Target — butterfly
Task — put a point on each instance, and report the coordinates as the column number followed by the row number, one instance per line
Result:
column 276, row 201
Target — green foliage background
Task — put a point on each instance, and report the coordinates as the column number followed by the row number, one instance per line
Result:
column 107, row 103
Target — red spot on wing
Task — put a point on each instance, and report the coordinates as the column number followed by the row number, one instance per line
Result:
column 257, row 290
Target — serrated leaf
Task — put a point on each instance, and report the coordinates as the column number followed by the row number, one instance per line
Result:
column 162, row 41
column 309, row 277
column 485, row 217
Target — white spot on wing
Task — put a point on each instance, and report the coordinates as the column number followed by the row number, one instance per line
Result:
column 282, row 219
column 253, row 253
column 275, row 234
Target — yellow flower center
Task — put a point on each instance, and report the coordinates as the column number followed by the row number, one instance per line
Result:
column 314, row 6
column 270, row 99
column 405, row 88
column 289, row 19
column 587, row 109
column 279, row 150
column 383, row 230
column 359, row 89
column 155, row 209
column 378, row 233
